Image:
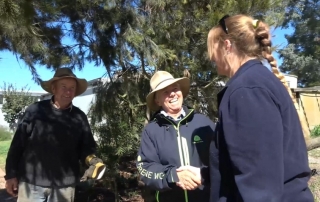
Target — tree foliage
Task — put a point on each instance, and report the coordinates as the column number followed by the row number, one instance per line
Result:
column 301, row 56
column 19, row 32
column 132, row 39
column 117, row 123
column 15, row 102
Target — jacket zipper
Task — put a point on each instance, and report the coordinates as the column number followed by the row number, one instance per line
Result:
column 183, row 158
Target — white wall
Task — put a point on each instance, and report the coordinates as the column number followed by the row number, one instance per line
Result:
column 84, row 101
column 292, row 80
column 2, row 121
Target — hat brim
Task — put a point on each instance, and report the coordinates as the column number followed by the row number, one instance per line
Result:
column 82, row 84
column 184, row 87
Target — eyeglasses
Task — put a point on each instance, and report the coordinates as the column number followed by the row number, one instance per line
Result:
column 222, row 23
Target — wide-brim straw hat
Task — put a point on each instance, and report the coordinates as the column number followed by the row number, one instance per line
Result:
column 162, row 79
column 62, row 73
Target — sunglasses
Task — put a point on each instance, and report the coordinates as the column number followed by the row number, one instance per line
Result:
column 222, row 23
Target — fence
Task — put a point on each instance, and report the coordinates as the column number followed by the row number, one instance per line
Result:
column 308, row 106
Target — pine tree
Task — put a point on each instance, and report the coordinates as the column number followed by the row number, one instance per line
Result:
column 301, row 56
column 132, row 40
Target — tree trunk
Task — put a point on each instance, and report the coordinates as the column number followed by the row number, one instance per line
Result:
column 313, row 143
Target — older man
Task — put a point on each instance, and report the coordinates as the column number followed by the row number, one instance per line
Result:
column 51, row 139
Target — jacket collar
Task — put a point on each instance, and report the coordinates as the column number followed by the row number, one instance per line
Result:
column 159, row 117
column 182, row 114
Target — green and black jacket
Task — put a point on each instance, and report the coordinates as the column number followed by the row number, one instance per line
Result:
column 166, row 145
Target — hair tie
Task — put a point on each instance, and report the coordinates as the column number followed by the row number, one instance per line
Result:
column 255, row 23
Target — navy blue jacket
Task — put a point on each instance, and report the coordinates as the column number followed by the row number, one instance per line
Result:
column 166, row 145
column 262, row 151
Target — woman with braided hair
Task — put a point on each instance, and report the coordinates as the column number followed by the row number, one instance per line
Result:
column 262, row 151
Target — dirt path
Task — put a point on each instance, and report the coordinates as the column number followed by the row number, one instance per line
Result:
column 314, row 182
column 314, row 160
column 2, row 181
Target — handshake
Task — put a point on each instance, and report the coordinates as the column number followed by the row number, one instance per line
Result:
column 189, row 177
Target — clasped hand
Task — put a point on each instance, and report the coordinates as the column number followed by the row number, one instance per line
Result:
column 12, row 186
column 189, row 177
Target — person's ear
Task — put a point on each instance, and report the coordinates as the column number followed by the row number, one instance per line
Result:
column 227, row 45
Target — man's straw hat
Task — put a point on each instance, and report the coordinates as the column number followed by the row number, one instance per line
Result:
column 62, row 73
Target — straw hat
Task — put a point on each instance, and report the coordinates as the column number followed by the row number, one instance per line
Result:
column 162, row 79
column 62, row 73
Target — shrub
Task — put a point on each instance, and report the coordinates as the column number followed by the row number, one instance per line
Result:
column 316, row 131
column 4, row 134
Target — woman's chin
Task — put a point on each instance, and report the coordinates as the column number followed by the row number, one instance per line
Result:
column 176, row 108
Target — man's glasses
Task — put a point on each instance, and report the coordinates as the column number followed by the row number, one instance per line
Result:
column 222, row 23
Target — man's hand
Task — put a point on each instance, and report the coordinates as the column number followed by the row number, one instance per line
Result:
column 12, row 186
column 96, row 169
column 189, row 177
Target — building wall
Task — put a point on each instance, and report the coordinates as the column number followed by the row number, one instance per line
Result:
column 309, row 107
column 292, row 80
column 2, row 121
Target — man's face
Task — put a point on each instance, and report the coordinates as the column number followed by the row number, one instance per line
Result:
column 64, row 91
column 170, row 99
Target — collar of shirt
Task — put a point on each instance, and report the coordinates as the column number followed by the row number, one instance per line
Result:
column 55, row 106
column 183, row 114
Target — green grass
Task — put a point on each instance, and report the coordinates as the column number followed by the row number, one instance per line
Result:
column 5, row 134
column 4, row 147
column 315, row 132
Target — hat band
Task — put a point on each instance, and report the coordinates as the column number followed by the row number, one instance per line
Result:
column 163, row 81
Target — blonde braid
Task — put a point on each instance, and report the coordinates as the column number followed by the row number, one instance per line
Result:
column 263, row 36
column 275, row 70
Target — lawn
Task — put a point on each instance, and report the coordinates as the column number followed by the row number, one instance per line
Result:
column 4, row 147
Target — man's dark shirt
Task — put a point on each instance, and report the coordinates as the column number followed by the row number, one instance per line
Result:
column 48, row 145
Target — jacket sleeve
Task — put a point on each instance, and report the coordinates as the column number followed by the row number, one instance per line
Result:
column 88, row 144
column 18, row 144
column 253, row 132
column 155, row 175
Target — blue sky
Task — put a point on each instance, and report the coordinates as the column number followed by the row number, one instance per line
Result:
column 16, row 72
